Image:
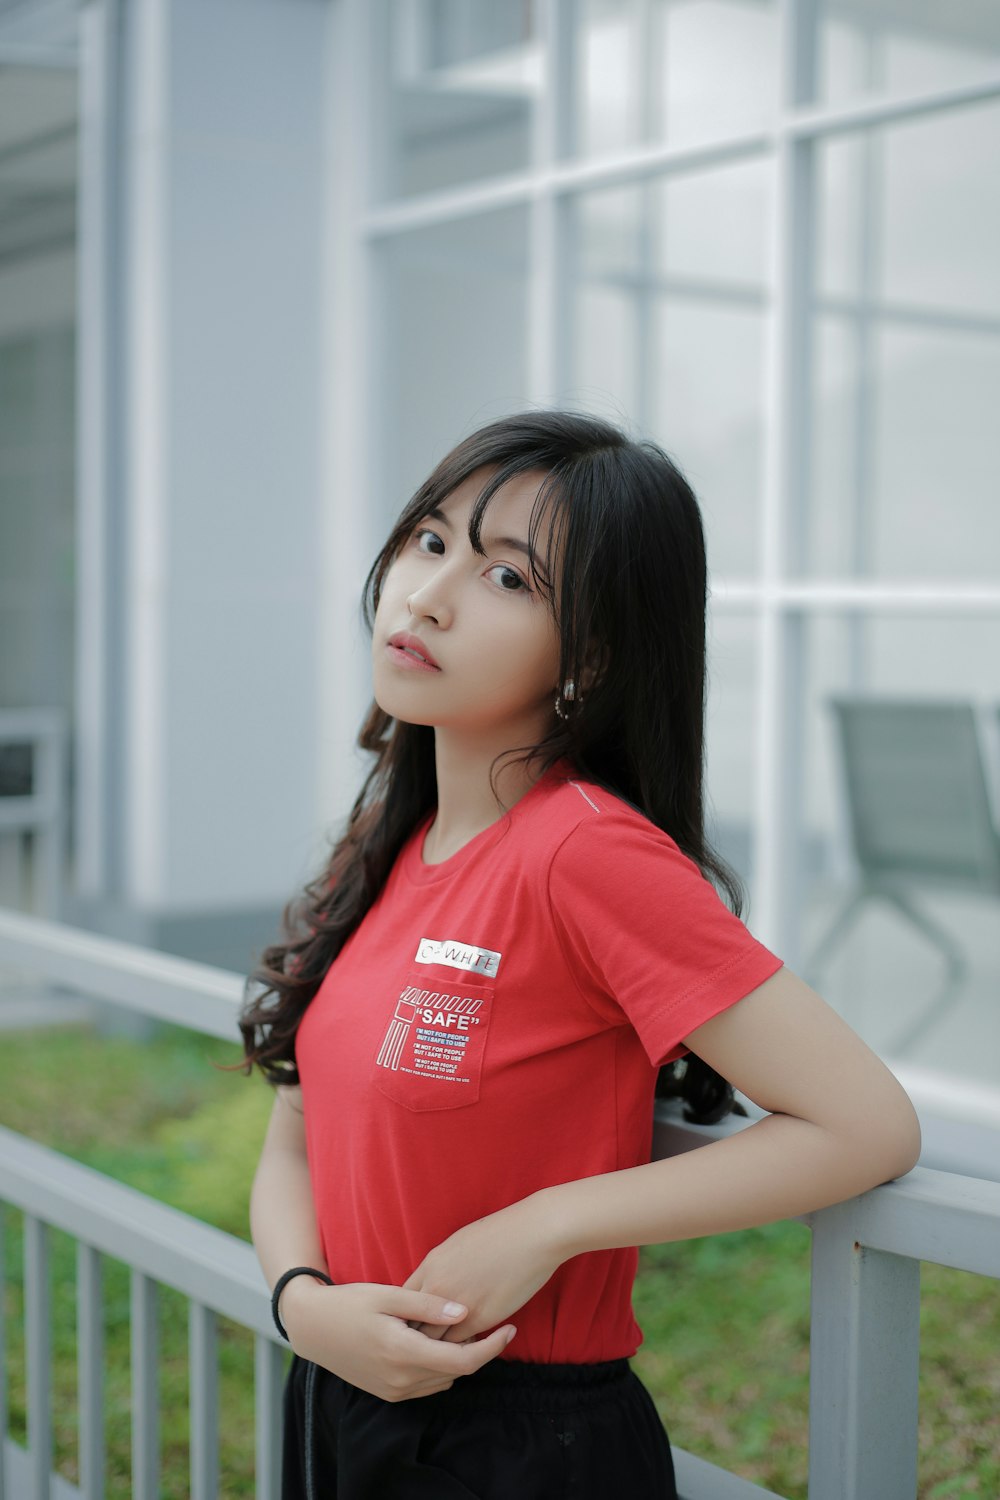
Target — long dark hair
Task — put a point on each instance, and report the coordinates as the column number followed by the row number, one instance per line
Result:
column 632, row 581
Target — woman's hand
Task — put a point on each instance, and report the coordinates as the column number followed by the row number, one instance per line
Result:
column 362, row 1332
column 493, row 1265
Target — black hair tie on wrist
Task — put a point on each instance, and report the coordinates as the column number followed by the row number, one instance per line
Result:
column 283, row 1281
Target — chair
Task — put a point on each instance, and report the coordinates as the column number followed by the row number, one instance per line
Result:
column 919, row 814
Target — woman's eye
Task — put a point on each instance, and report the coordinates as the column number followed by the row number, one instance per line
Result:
column 510, row 581
column 420, row 534
column 518, row 583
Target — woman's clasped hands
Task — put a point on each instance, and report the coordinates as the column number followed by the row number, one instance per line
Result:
column 414, row 1340
column 493, row 1266
column 366, row 1333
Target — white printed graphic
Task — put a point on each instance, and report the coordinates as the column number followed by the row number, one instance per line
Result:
column 400, row 1024
column 457, row 955
column 440, row 1045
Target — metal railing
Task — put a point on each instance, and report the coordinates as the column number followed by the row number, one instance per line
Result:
column 217, row 1272
column 865, row 1284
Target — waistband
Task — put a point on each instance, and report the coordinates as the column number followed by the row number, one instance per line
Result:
column 520, row 1385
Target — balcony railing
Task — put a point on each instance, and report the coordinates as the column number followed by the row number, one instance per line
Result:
column 865, row 1283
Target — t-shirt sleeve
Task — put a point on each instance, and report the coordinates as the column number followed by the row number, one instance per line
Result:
column 649, row 939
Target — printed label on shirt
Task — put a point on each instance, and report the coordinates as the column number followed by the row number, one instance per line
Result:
column 431, row 1055
column 457, row 955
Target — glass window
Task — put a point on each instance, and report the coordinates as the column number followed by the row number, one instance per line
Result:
column 38, row 145
column 37, row 162
column 884, row 974
column 459, row 81
column 680, row 71
column 454, row 315
column 906, row 371
column 669, row 312
column 730, row 739
column 883, row 46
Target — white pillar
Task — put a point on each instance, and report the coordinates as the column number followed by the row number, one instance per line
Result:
column 219, row 454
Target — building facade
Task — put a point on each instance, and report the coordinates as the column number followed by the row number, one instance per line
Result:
column 263, row 261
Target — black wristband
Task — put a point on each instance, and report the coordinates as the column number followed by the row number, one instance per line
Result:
column 283, row 1281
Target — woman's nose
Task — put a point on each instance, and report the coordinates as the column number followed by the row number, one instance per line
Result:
column 427, row 603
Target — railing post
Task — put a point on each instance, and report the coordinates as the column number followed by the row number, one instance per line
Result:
column 145, row 1395
column 863, row 1365
column 90, row 1370
column 3, row 1352
column 203, row 1401
column 37, row 1320
column 268, row 1371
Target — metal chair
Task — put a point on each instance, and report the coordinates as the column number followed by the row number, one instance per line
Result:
column 920, row 813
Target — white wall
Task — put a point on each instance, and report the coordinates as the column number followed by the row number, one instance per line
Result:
column 224, row 192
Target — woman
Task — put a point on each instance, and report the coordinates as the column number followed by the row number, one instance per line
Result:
column 515, row 941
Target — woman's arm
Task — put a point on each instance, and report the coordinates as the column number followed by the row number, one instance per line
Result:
column 360, row 1331
column 839, row 1124
column 282, row 1216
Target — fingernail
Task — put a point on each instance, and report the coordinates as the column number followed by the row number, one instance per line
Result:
column 510, row 1335
column 454, row 1309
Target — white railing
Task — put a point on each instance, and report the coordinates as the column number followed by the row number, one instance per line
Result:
column 865, row 1294
column 217, row 1272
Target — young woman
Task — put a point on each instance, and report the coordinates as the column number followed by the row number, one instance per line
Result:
column 515, row 939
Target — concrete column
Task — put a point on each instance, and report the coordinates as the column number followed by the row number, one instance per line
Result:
column 213, row 706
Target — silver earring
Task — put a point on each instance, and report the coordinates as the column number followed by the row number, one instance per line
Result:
column 568, row 693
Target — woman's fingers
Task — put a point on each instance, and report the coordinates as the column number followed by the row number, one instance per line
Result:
column 431, row 1330
column 421, row 1307
column 363, row 1332
column 461, row 1359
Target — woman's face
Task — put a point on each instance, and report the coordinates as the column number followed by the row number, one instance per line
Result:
column 481, row 619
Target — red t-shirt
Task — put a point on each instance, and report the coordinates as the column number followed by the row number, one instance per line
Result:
column 494, row 1026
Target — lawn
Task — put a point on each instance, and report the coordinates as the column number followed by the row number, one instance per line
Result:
column 726, row 1319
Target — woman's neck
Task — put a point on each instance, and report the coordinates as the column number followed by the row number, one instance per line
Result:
column 465, row 802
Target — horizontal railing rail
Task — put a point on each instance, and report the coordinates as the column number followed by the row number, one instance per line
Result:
column 866, row 1253
column 178, row 990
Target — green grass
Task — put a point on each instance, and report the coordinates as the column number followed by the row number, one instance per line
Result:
column 726, row 1319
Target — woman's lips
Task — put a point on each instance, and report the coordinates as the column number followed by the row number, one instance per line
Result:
column 405, row 659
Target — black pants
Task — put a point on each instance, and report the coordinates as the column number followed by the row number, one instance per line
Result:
column 511, row 1431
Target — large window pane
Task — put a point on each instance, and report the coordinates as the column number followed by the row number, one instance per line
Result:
column 680, row 71
column 904, row 46
column 457, row 97
column 884, row 974
column 910, row 214
column 454, row 346
column 38, row 114
column 730, row 718
column 669, row 314
column 906, row 370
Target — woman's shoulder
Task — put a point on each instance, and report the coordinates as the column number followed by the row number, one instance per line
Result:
column 591, row 818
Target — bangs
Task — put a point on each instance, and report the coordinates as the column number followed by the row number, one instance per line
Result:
column 546, row 505
column 543, row 540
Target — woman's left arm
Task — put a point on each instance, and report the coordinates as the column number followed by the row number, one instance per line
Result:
column 839, row 1123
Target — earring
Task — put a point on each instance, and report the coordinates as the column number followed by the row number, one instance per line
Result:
column 568, row 693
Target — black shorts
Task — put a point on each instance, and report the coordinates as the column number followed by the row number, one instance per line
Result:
column 511, row 1431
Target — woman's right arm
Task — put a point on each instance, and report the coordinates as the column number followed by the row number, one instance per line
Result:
column 282, row 1215
column 359, row 1331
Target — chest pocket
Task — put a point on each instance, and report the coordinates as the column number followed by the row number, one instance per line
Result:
column 431, row 1053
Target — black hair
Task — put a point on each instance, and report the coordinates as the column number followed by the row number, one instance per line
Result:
column 631, row 595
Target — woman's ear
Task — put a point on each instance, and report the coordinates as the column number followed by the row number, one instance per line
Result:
column 597, row 663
